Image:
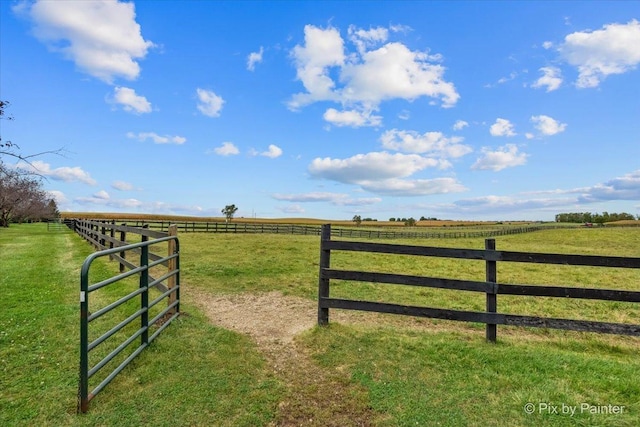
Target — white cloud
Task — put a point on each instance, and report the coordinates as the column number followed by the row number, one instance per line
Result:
column 122, row 186
column 102, row 38
column 338, row 199
column 383, row 173
column 417, row 187
column 226, row 149
column 547, row 45
column 322, row 49
column 502, row 127
column 502, row 158
column 430, row 142
column 273, row 152
column 130, row 101
column 65, row 173
column 102, row 195
column 548, row 126
column 254, row 58
column 626, row 187
column 460, row 124
column 369, row 167
column 614, row 49
column 364, row 39
column 352, row 118
column 157, row 139
column 100, row 200
column 210, row 104
column 367, row 76
column 551, row 79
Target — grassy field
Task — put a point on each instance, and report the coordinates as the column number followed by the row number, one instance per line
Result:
column 193, row 374
column 442, row 373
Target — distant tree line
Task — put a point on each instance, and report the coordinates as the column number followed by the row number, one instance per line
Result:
column 588, row 217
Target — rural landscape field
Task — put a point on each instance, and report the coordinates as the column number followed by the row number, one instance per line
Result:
column 370, row 213
column 246, row 351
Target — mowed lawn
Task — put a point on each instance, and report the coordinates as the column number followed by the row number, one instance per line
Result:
column 192, row 374
column 442, row 373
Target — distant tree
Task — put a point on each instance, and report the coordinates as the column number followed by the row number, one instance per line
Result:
column 357, row 219
column 410, row 222
column 392, row 220
column 229, row 211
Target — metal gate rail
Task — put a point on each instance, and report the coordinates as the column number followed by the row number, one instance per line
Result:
column 168, row 314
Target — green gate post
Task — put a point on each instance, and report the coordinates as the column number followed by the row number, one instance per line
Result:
column 83, row 387
column 144, row 297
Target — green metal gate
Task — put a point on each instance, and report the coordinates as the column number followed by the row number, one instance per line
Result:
column 161, row 320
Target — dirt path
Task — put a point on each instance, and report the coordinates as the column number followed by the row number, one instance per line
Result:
column 316, row 396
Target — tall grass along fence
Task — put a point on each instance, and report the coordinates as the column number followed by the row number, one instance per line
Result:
column 315, row 230
column 131, row 248
column 490, row 286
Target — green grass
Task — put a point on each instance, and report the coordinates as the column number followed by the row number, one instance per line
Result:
column 192, row 374
column 435, row 373
column 457, row 379
column 290, row 264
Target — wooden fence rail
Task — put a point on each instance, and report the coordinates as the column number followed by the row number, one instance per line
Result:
column 108, row 235
column 489, row 286
column 315, row 230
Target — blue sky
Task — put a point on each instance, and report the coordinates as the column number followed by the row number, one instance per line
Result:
column 455, row 110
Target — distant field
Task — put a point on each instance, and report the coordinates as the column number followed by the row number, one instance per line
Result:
column 307, row 221
column 410, row 372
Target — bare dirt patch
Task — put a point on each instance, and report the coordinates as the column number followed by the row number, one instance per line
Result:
column 316, row 396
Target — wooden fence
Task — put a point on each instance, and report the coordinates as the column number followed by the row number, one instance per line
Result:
column 315, row 230
column 490, row 286
column 108, row 235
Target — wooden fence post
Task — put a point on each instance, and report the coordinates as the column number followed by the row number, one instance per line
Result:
column 323, row 283
column 492, row 298
column 123, row 239
column 171, row 266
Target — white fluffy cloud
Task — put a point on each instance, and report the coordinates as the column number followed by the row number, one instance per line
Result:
column 352, row 118
column 130, row 101
column 384, row 173
column 209, row 103
column 122, row 186
column 157, row 139
column 364, row 78
column 273, row 152
column 65, row 173
column 102, row 38
column 415, row 187
column 548, row 126
column 369, row 167
column 551, row 79
column 226, row 149
column 614, row 49
column 502, row 127
column 626, row 187
column 459, row 125
column 434, row 143
column 254, row 58
column 502, row 158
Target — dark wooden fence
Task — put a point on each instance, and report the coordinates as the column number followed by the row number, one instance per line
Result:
column 315, row 230
column 489, row 286
column 108, row 235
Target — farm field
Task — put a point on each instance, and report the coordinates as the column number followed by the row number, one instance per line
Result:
column 390, row 370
